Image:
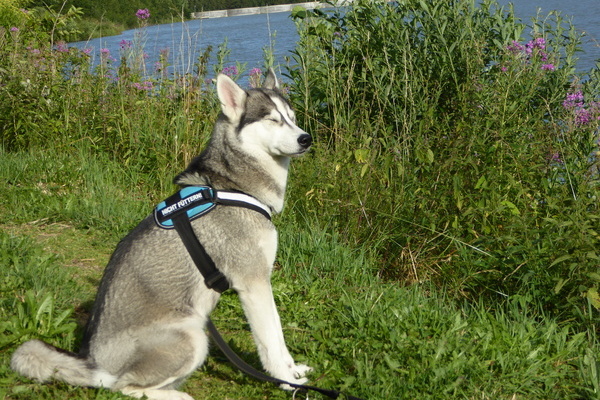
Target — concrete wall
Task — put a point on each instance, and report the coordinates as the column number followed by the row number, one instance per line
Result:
column 260, row 10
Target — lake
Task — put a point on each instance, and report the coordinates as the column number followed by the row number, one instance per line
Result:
column 248, row 35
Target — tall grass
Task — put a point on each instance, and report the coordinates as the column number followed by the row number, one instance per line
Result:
column 458, row 142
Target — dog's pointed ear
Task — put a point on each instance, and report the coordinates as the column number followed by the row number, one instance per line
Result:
column 232, row 97
column 271, row 81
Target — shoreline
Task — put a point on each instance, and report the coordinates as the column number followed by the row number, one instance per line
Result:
column 234, row 12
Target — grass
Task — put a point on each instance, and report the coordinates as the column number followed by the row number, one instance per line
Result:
column 369, row 337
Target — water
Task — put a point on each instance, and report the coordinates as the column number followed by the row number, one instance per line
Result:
column 248, row 35
column 585, row 15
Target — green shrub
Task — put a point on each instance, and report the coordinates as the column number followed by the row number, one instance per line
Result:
column 454, row 146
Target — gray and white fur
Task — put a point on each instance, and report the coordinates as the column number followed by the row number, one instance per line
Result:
column 146, row 331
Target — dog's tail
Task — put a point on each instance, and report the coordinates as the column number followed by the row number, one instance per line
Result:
column 43, row 362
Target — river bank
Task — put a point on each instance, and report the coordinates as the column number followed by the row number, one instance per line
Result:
column 258, row 10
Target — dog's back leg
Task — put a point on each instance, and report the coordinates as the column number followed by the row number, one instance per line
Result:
column 164, row 357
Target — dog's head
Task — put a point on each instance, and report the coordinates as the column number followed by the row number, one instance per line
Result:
column 263, row 117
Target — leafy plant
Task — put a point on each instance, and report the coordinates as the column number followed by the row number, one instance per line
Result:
column 449, row 146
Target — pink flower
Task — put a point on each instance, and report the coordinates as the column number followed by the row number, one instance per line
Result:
column 515, row 47
column 582, row 116
column 573, row 100
column 230, row 71
column 14, row 29
column 142, row 14
column 125, row 44
column 62, row 47
column 146, row 85
column 548, row 67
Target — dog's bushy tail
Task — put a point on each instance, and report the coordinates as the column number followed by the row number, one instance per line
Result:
column 43, row 362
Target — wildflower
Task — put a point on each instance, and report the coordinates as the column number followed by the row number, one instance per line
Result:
column 142, row 14
column 125, row 44
column 230, row 71
column 548, row 67
column 555, row 158
column 62, row 47
column 538, row 43
column 255, row 75
column 582, row 116
column 573, row 100
column 87, row 51
column 515, row 47
column 105, row 52
column 14, row 29
column 146, row 85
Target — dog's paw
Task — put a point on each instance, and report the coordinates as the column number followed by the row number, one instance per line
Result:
column 156, row 394
column 300, row 370
column 298, row 376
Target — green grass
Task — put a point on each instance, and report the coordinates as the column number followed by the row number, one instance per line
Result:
column 364, row 335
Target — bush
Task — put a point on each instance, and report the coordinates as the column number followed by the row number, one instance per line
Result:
column 460, row 150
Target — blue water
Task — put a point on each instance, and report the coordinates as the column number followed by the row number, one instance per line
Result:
column 247, row 36
column 584, row 14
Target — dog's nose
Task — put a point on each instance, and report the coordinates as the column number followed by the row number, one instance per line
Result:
column 305, row 140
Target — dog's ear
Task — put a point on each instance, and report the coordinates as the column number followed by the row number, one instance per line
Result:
column 232, row 97
column 271, row 81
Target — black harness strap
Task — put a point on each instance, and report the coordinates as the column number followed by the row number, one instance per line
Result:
column 214, row 279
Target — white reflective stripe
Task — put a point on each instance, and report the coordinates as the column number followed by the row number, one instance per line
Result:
column 244, row 198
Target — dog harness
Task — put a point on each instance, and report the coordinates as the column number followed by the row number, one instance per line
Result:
column 177, row 212
column 192, row 202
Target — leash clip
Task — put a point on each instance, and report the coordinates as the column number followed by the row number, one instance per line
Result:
column 296, row 391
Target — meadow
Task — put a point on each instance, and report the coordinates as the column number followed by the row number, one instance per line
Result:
column 441, row 240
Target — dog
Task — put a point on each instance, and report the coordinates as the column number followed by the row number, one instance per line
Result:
column 146, row 331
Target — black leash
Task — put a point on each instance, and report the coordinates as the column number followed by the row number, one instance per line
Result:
column 177, row 212
column 253, row 372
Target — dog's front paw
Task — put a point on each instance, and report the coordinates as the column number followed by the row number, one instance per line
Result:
column 300, row 370
column 298, row 375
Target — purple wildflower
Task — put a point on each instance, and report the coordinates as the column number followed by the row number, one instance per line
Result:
column 146, row 85
column 255, row 75
column 548, row 67
column 87, row 51
column 555, row 158
column 125, row 44
column 582, row 116
column 515, row 47
column 230, row 71
column 142, row 14
column 62, row 47
column 537, row 43
column 14, row 29
column 573, row 100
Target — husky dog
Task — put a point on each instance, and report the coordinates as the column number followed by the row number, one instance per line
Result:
column 146, row 332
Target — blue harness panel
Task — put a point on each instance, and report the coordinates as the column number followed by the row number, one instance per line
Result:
column 195, row 201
